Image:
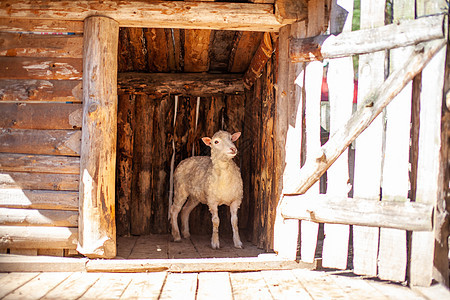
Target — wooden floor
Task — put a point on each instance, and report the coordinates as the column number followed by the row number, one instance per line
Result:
column 281, row 284
column 160, row 246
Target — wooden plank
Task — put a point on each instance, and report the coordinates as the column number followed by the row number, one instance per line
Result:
column 108, row 286
column 27, row 252
column 158, row 50
column 146, row 285
column 35, row 45
column 125, row 246
column 284, row 285
column 340, row 90
column 213, row 284
column 23, row 263
column 180, row 83
column 51, row 252
column 358, row 211
column 40, row 90
column 361, row 119
column 74, row 286
column 291, row 11
column 196, row 46
column 20, row 198
column 392, row 253
column 249, row 285
column 12, row 281
column 40, row 68
column 38, row 217
column 356, row 287
column 99, row 139
column 222, row 42
column 35, row 181
column 262, row 55
column 319, row 285
column 245, row 45
column 11, row 162
column 40, row 116
column 369, row 145
column 51, row 142
column 155, row 14
column 137, row 51
column 41, row 26
column 30, row 237
column 179, row 285
column 38, row 286
column 400, row 34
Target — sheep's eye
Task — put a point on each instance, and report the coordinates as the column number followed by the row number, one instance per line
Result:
column 216, row 142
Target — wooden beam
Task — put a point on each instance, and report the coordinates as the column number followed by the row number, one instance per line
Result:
column 244, row 48
column 99, row 135
column 195, row 84
column 291, row 11
column 153, row 14
column 38, row 217
column 262, row 55
column 357, row 211
column 39, row 181
column 374, row 104
column 39, row 199
column 196, row 50
column 16, row 162
column 365, row 41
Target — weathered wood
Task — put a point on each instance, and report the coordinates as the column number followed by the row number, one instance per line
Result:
column 368, row 40
column 40, row 90
column 155, row 14
column 137, row 51
column 361, row 119
column 38, row 217
column 50, row 142
column 148, row 284
column 39, row 181
column 75, row 285
column 40, row 68
column 41, row 26
column 357, row 211
column 38, row 237
column 180, row 83
column 222, row 42
column 340, row 90
column 245, row 45
column 291, row 11
column 98, row 150
column 369, row 145
column 11, row 162
column 157, row 50
column 40, row 116
column 262, row 55
column 39, row 199
column 196, row 46
column 35, row 45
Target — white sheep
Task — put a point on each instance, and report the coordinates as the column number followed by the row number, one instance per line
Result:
column 213, row 180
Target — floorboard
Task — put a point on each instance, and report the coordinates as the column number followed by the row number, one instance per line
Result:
column 108, row 286
column 11, row 281
column 249, row 285
column 214, row 285
column 145, row 285
column 74, row 286
column 180, row 286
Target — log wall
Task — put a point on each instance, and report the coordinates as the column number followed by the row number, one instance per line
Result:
column 40, row 135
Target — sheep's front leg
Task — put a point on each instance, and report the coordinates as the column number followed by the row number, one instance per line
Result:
column 215, row 221
column 174, row 221
column 234, row 224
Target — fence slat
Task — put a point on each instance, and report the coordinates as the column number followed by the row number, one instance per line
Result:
column 340, row 87
column 368, row 146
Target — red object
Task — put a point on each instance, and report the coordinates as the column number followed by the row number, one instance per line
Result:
column 324, row 95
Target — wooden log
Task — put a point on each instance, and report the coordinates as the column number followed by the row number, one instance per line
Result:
column 11, row 162
column 258, row 62
column 155, row 14
column 137, row 51
column 38, row 217
column 357, row 211
column 98, row 150
column 39, row 199
column 36, row 45
column 40, row 68
column 196, row 50
column 50, row 142
column 244, row 47
column 38, row 237
column 40, row 116
column 364, row 41
column 362, row 118
column 291, row 11
column 41, row 26
column 181, row 83
column 157, row 49
column 221, row 45
column 39, row 181
column 40, row 90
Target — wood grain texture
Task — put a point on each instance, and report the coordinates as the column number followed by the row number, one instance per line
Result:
column 39, row 181
column 38, row 217
column 39, row 199
column 196, row 50
column 244, row 48
column 10, row 162
column 29, row 25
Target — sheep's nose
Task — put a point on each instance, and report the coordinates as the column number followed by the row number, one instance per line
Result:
column 233, row 150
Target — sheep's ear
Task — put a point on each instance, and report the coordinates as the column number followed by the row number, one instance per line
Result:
column 207, row 141
column 235, row 136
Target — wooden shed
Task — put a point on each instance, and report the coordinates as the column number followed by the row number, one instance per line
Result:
column 100, row 100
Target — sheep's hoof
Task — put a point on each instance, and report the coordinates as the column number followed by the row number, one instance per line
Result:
column 238, row 246
column 186, row 235
column 215, row 246
column 177, row 240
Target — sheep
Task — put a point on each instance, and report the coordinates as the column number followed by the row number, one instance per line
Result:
column 213, row 180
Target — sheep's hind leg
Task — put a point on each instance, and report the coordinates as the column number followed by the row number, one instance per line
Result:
column 178, row 202
column 215, row 244
column 234, row 224
column 185, row 212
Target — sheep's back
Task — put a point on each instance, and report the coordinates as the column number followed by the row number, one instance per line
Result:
column 192, row 175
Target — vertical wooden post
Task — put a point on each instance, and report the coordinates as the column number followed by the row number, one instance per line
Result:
column 97, row 230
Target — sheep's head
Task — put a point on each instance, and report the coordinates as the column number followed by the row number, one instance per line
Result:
column 222, row 144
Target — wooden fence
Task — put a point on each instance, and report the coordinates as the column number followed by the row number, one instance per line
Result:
column 387, row 219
